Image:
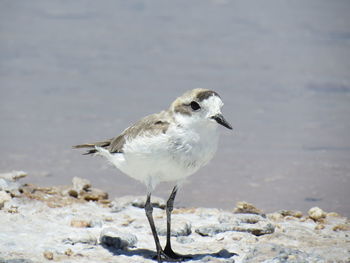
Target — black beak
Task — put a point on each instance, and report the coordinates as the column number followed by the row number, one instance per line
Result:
column 221, row 120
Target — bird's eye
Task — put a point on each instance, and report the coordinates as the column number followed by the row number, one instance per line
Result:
column 195, row 105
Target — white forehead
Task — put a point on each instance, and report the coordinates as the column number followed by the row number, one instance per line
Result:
column 212, row 104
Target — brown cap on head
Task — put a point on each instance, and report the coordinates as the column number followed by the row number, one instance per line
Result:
column 197, row 95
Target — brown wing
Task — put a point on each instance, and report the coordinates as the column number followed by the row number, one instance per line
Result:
column 150, row 125
column 103, row 144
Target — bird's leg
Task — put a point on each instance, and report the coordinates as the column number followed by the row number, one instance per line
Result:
column 149, row 211
column 169, row 208
column 161, row 255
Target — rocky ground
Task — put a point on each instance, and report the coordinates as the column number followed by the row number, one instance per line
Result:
column 78, row 223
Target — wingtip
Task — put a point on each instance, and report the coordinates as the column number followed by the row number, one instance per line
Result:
column 86, row 145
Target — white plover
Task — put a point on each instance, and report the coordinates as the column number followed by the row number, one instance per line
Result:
column 167, row 146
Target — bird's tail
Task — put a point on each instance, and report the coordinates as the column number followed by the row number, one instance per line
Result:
column 93, row 146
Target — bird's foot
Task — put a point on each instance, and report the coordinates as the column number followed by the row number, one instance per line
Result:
column 168, row 255
column 174, row 256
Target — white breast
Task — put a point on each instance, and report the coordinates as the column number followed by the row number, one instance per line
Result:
column 166, row 157
column 193, row 148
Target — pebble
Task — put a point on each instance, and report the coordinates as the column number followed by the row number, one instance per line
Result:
column 319, row 227
column 255, row 229
column 341, row 227
column 80, row 223
column 80, row 184
column 292, row 213
column 120, row 203
column 94, row 195
column 317, row 213
column 4, row 197
column 69, row 252
column 246, row 208
column 112, row 237
column 9, row 186
column 127, row 220
column 178, row 228
column 126, row 236
column 224, row 253
column 73, row 193
column 240, row 218
column 13, row 176
column 157, row 202
column 276, row 216
column 48, row 255
column 333, row 214
column 12, row 209
column 80, row 238
column 8, row 182
column 184, row 240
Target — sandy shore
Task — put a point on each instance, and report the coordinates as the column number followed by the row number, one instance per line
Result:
column 78, row 223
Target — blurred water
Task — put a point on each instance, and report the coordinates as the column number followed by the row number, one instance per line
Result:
column 80, row 71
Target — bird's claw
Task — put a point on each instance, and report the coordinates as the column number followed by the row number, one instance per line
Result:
column 166, row 256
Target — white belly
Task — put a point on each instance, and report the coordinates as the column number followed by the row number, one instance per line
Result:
column 166, row 157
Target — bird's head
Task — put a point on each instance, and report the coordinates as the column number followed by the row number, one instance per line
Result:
column 199, row 107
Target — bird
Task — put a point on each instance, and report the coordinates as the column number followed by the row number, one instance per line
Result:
column 167, row 146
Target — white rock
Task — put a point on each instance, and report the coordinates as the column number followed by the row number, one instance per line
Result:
column 8, row 185
column 120, row 203
column 258, row 229
column 4, row 184
column 178, row 228
column 184, row 240
column 13, row 176
column 112, row 237
column 82, row 238
column 50, row 230
column 317, row 213
column 80, row 184
column 4, row 197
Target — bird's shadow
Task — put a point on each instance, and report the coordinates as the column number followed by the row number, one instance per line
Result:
column 149, row 254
